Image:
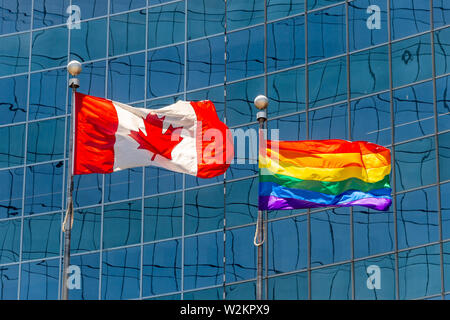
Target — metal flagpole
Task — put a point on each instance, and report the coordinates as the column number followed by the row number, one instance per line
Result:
column 261, row 102
column 74, row 68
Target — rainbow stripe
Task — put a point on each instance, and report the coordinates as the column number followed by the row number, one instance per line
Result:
column 324, row 173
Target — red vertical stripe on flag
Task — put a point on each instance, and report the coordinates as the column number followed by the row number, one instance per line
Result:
column 214, row 141
column 96, row 124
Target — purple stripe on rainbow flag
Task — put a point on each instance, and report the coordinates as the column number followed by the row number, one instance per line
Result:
column 276, row 203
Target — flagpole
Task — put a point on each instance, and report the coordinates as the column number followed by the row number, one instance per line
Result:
column 261, row 102
column 74, row 68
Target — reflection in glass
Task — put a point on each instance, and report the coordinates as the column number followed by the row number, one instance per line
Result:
column 13, row 105
column 203, row 260
column 441, row 13
column 413, row 111
column 245, row 161
column 49, row 12
column 11, row 145
column 91, row 9
column 415, row 164
column 43, row 188
column 44, row 52
column 126, row 33
column 126, row 5
column 41, row 236
column 240, row 254
column 121, row 274
column 330, row 236
column 417, row 218
column 445, row 210
column 15, row 16
column 159, row 180
column 87, row 190
column 241, row 201
column 45, row 140
column 290, row 128
column 14, row 52
column 161, row 268
column 9, row 280
column 11, row 192
column 207, row 294
column 162, row 217
column 332, row 283
column 419, row 272
column 9, row 241
column 244, row 13
column 282, row 8
column 443, row 103
column 371, row 119
column 326, row 33
column 289, row 287
column 329, row 123
column 166, row 24
column 89, row 41
column 39, row 280
column 122, row 224
column 442, row 51
column 241, row 291
column 369, row 71
column 205, row 18
column 444, row 156
column 314, row 4
column 85, row 235
column 89, row 265
column 123, row 184
column 409, row 17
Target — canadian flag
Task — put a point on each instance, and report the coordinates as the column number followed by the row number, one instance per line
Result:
column 185, row 137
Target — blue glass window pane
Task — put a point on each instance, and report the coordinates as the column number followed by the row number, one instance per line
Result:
column 419, row 272
column 417, row 218
column 162, row 217
column 415, row 164
column 373, row 231
column 364, row 272
column 11, row 193
column 216, row 95
column 240, row 97
column 122, row 224
column 445, row 210
column 92, row 79
column 11, row 145
column 291, row 128
column 158, row 180
column 87, row 190
column 39, row 280
column 287, row 242
column 360, row 36
column 156, row 2
column 282, row 8
column 123, row 184
column 88, row 42
column 161, row 268
column 45, row 140
column 332, row 283
column 240, row 254
column 9, row 280
column 43, row 188
column 43, row 104
column 45, row 54
column 326, row 33
column 41, row 236
column 205, row 18
column 241, row 291
column 14, row 53
column 442, row 50
column 289, row 287
column 329, row 123
column 203, row 260
column 244, row 13
column 241, row 202
column 409, row 17
column 314, row 4
column 85, row 235
column 327, row 82
column 245, row 53
column 9, row 241
column 165, row 71
column 245, row 161
column 15, row 16
column 126, row 78
column 166, row 24
column 446, row 258
column 330, row 236
column 91, row 9
column 413, row 111
column 371, row 119
column 205, row 62
column 441, row 13
column 121, row 274
column 411, row 60
column 207, row 294
column 49, row 12
column 287, row 50
column 204, row 209
column 369, row 71
column 443, row 103
column 13, row 106
column 89, row 265
column 126, row 5
column 127, row 33
column 286, row 92
column 444, row 156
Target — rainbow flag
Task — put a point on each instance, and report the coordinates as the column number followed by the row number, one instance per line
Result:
column 323, row 173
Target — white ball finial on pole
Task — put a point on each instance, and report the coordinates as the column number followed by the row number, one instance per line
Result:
column 74, row 67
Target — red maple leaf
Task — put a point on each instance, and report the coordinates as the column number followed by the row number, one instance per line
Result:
column 155, row 141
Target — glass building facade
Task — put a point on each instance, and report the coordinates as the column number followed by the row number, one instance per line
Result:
column 373, row 70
